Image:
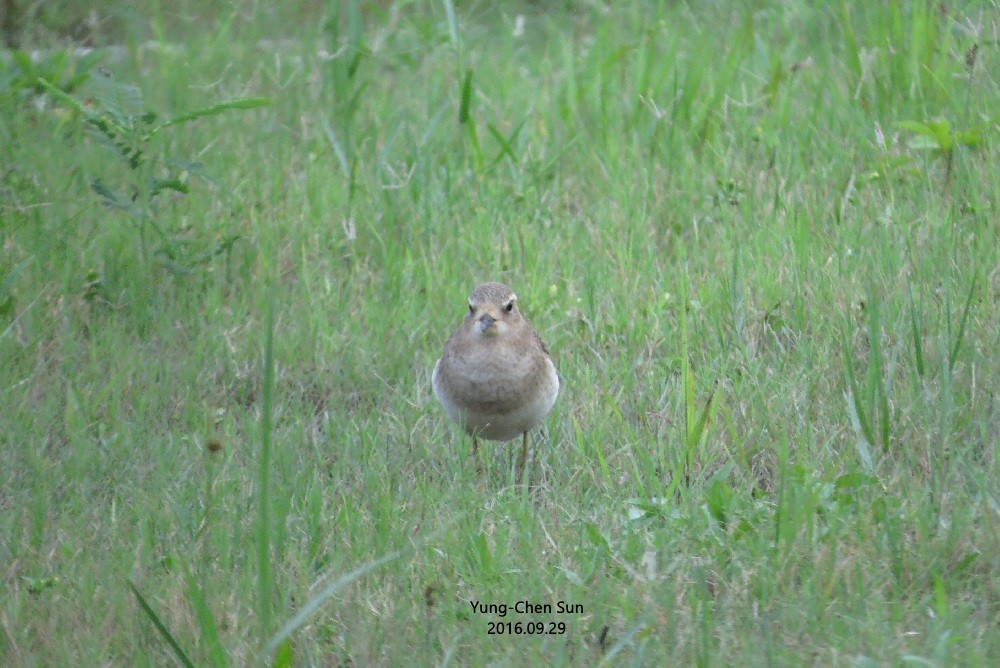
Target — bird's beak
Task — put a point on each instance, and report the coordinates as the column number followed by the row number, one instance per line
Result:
column 487, row 325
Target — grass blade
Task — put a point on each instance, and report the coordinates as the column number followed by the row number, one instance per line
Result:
column 696, row 432
column 505, row 148
column 153, row 617
column 206, row 622
column 852, row 381
column 918, row 353
column 851, row 45
column 264, row 475
column 240, row 103
column 449, row 10
column 961, row 325
column 332, row 588
column 622, row 643
column 876, row 372
column 466, row 101
column 338, row 150
column 631, row 436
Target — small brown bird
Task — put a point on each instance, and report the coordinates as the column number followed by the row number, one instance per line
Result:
column 495, row 377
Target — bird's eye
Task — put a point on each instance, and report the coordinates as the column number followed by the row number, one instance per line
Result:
column 472, row 309
column 510, row 307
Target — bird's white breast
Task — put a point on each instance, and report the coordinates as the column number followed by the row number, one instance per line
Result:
column 535, row 400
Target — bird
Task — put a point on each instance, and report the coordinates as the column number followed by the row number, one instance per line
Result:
column 495, row 377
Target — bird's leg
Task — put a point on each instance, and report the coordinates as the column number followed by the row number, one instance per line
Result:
column 475, row 456
column 524, row 459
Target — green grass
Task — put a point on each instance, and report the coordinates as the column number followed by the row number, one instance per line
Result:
column 774, row 303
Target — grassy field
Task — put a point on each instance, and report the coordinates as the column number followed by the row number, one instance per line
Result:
column 760, row 239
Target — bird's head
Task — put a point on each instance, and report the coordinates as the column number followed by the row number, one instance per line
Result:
column 492, row 310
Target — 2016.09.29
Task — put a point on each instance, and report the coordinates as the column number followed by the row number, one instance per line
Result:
column 525, row 628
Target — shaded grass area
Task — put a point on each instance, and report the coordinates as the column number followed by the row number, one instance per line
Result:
column 768, row 277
